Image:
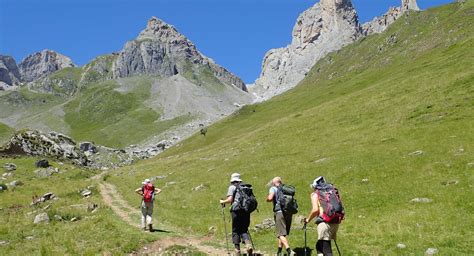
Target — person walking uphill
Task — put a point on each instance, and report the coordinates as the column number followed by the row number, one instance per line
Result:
column 283, row 218
column 240, row 211
column 328, row 210
column 148, row 192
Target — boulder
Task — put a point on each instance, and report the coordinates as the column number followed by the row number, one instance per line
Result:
column 267, row 224
column 86, row 193
column 401, row 246
column 431, row 251
column 43, row 163
column 45, row 173
column 41, row 218
column 9, row 167
column 15, row 183
column 88, row 147
column 46, row 197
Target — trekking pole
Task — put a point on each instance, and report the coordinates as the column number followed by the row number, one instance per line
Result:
column 305, row 241
column 253, row 245
column 337, row 247
column 225, row 229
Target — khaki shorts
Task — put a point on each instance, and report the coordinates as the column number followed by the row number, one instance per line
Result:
column 282, row 224
column 327, row 231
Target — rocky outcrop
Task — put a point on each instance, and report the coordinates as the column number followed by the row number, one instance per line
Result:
column 35, row 143
column 41, row 64
column 379, row 24
column 410, row 5
column 324, row 28
column 160, row 50
column 9, row 72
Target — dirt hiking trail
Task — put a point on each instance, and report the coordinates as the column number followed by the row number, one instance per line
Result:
column 114, row 200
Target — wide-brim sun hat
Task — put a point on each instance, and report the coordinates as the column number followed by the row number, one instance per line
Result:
column 235, row 177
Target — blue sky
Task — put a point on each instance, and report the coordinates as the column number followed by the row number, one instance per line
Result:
column 235, row 33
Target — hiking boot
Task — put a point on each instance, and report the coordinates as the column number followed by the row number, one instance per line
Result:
column 150, row 227
column 249, row 247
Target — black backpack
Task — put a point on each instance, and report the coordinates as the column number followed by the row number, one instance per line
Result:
column 333, row 210
column 244, row 199
column 286, row 199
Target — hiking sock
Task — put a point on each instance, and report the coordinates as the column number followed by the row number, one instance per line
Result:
column 288, row 250
column 319, row 247
column 327, row 250
column 279, row 251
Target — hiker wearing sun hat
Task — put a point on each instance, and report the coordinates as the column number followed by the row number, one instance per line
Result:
column 328, row 210
column 240, row 217
column 148, row 192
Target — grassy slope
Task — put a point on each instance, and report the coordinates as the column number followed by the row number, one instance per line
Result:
column 5, row 133
column 117, row 119
column 363, row 110
column 93, row 234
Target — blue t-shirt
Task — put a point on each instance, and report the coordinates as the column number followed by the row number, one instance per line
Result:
column 276, row 204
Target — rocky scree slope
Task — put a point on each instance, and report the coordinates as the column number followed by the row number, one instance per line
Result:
column 326, row 27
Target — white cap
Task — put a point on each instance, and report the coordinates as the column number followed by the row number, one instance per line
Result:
column 146, row 181
column 318, row 181
column 235, row 177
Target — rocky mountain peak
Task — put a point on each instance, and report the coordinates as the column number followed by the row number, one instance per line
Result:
column 160, row 50
column 325, row 27
column 410, row 5
column 160, row 30
column 41, row 64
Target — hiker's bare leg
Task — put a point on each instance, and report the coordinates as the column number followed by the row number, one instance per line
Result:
column 283, row 241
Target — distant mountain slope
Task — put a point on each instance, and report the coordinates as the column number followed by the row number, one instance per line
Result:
column 158, row 87
column 388, row 119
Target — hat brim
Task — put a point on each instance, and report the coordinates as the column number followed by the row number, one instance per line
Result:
column 234, row 180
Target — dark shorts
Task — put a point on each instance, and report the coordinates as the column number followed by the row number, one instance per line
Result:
column 282, row 224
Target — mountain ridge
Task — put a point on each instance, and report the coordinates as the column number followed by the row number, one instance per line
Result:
column 325, row 27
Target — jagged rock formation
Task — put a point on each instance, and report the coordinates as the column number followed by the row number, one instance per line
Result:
column 63, row 148
column 325, row 27
column 41, row 64
column 9, row 72
column 35, row 143
column 410, row 5
column 161, row 50
column 379, row 24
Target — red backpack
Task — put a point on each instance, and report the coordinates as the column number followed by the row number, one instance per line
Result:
column 148, row 192
column 333, row 211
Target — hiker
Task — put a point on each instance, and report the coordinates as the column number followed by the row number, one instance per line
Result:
column 148, row 192
column 328, row 210
column 282, row 218
column 240, row 217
